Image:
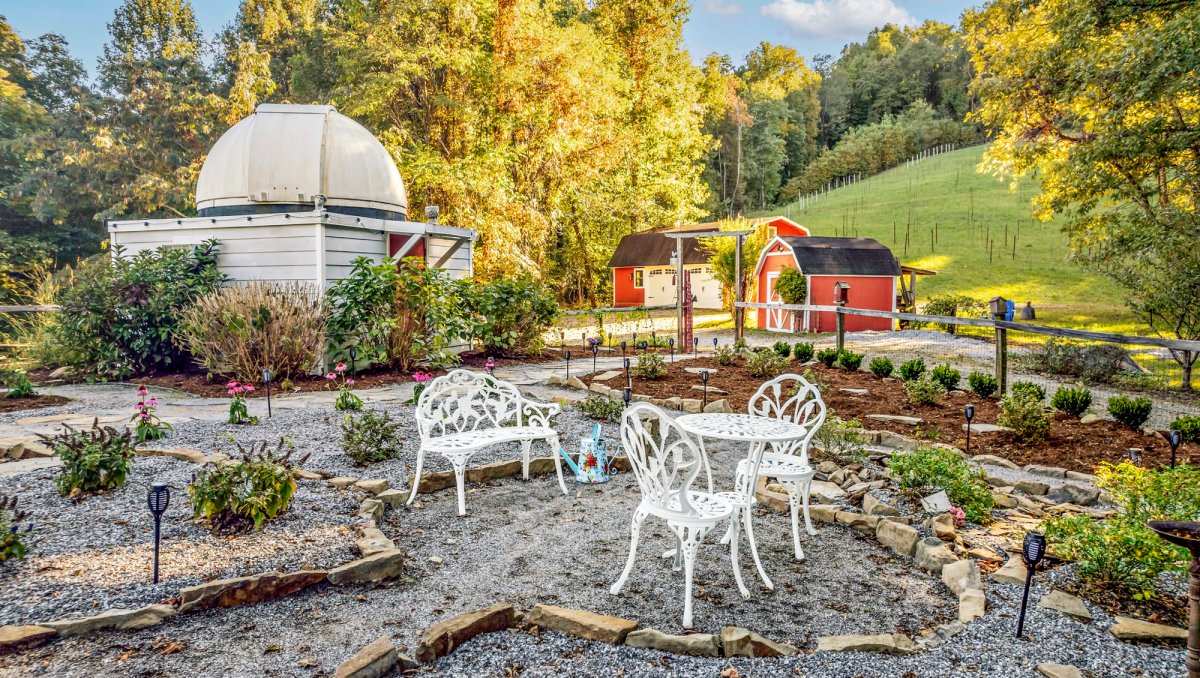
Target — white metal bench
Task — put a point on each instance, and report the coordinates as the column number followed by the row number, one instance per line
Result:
column 463, row 412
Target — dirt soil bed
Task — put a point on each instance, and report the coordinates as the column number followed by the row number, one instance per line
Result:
column 1072, row 445
column 31, row 403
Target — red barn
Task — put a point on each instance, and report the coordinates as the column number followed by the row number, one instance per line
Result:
column 865, row 264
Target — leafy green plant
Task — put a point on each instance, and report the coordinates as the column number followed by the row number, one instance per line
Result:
column 946, row 376
column 740, row 344
column 1092, row 363
column 12, row 532
column 18, row 384
column 93, row 461
column 1026, row 417
column 815, row 378
column 602, row 407
column 651, row 366
column 725, row 355
column 1120, row 551
column 422, row 380
column 1072, row 400
column 923, row 391
column 783, row 348
column 982, row 384
column 370, row 437
column 844, row 440
column 509, row 316
column 957, row 305
column 767, row 364
column 242, row 493
column 346, row 400
column 239, row 414
column 1028, row 389
column 1132, row 412
column 802, row 351
column 147, row 424
column 849, row 361
column 1188, row 426
column 931, row 469
column 791, row 286
column 882, row 367
column 827, row 356
column 913, row 369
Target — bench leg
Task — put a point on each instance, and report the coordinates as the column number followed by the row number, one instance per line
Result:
column 554, row 445
column 412, row 492
column 525, row 445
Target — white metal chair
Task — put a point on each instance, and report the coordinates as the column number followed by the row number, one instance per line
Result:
column 462, row 412
column 788, row 462
column 665, row 463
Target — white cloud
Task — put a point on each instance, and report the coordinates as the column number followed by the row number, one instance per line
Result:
column 837, row 19
column 721, row 7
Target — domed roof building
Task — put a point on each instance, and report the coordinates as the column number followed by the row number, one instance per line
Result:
column 296, row 193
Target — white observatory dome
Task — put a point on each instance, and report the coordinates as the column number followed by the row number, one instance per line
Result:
column 280, row 158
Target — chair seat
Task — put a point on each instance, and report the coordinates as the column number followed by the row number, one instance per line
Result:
column 709, row 508
column 783, row 468
column 474, row 440
column 738, row 499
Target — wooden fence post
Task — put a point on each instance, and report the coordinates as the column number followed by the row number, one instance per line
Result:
column 841, row 327
column 1002, row 359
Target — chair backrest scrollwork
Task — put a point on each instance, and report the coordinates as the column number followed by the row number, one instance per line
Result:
column 664, row 459
column 793, row 398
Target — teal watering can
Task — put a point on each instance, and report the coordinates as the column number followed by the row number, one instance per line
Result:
column 592, row 465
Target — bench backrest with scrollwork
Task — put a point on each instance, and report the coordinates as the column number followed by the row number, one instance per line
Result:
column 464, row 401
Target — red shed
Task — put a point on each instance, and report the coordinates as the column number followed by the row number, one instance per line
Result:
column 865, row 264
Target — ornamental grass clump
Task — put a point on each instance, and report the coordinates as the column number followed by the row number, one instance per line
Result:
column 370, row 437
column 239, row 494
column 930, row 469
column 12, row 532
column 882, row 367
column 93, row 461
column 1120, row 552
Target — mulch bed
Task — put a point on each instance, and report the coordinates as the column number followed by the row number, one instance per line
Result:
column 1115, row 600
column 31, row 403
column 1071, row 445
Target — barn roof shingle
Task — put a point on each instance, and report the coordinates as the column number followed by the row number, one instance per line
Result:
column 842, row 256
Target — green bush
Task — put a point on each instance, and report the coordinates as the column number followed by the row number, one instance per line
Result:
column 827, row 356
column 842, row 439
column 725, row 355
column 243, row 493
column 510, row 315
column 1092, row 363
column 766, row 364
column 912, row 369
column 602, row 407
column 1132, row 412
column 850, row 361
column 120, row 315
column 882, row 367
column 1120, row 550
column 957, row 305
column 983, row 384
column 18, row 384
column 12, row 533
column 740, row 344
column 783, row 348
column 92, row 461
column 371, row 437
column 1025, row 416
column 923, row 391
column 929, row 470
column 791, row 286
column 802, row 351
column 1071, row 400
column 651, row 366
column 946, row 376
column 1188, row 426
column 1027, row 389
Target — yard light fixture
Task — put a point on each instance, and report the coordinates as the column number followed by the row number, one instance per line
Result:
column 704, row 380
column 628, row 379
column 595, row 350
column 158, row 499
column 354, row 360
column 266, row 375
column 695, row 346
column 1032, row 552
column 490, row 366
column 969, row 413
column 1173, row 439
column 671, row 343
column 645, row 345
column 623, row 347
column 1135, row 455
column 635, row 341
column 714, row 344
column 567, row 357
column 627, row 395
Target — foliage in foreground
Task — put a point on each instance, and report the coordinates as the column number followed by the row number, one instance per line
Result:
column 238, row 494
column 725, row 355
column 17, row 382
column 509, row 316
column 602, row 407
column 650, row 366
column 93, row 461
column 1120, row 550
column 1188, row 426
column 12, row 541
column 1132, row 412
column 370, row 437
column 930, row 469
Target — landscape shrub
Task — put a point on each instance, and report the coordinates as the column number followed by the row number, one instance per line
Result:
column 815, row 378
column 982, row 384
column 240, row 330
column 651, row 366
column 882, row 367
column 93, row 461
column 242, row 493
column 725, row 355
column 370, row 437
column 924, row 391
column 956, row 305
column 912, row 369
column 1072, row 400
column 509, row 316
column 1188, row 426
column 602, row 407
column 791, row 286
column 740, row 344
column 1120, row 551
column 1028, row 389
column 931, row 469
column 843, row 440
column 802, row 351
column 17, row 382
column 1025, row 416
column 767, row 364
column 120, row 315
column 827, row 356
column 783, row 348
column 946, row 376
column 1132, row 412
column 1091, row 363
column 12, row 532
column 850, row 361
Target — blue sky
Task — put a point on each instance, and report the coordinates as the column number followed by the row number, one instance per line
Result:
column 731, row 27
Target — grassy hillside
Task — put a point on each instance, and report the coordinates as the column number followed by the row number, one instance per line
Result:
column 968, row 209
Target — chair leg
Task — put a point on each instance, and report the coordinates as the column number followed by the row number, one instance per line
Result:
column 412, row 493
column 754, row 548
column 690, row 539
column 554, row 446
column 733, row 556
column 806, row 489
column 794, row 509
column 460, row 469
column 635, row 534
column 525, row 445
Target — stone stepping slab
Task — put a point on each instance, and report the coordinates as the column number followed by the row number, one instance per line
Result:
column 896, row 419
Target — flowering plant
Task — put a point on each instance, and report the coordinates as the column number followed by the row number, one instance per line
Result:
column 490, row 366
column 238, row 393
column 149, row 426
column 960, row 518
column 592, row 341
column 422, row 378
column 346, row 400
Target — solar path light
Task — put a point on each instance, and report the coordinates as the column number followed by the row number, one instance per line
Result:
column 158, row 499
column 1032, row 553
column 266, row 375
column 969, row 413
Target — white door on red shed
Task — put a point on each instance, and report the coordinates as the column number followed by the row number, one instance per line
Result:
column 778, row 320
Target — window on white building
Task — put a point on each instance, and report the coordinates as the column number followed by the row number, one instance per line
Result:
column 638, row 280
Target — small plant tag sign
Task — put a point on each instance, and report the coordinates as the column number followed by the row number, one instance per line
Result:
column 936, row 503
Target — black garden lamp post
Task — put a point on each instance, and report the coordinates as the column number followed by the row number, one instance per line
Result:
column 623, row 347
column 1173, row 439
column 266, row 375
column 1032, row 553
column 704, row 380
column 635, row 341
column 969, row 413
column 1135, row 455
column 354, row 360
column 158, row 499
column 1187, row 535
column 595, row 350
column 695, row 346
column 567, row 357
column 627, row 395
column 628, row 378
column 714, row 344
column 671, row 343
column 645, row 346
column 654, row 338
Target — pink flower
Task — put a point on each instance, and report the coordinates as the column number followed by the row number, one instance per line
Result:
column 349, row 381
column 421, row 377
column 142, row 390
column 960, row 518
column 341, row 367
column 232, row 384
column 249, row 387
column 331, row 376
column 152, row 402
column 231, row 392
column 145, row 416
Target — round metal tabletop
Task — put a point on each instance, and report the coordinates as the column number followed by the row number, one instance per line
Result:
column 743, row 427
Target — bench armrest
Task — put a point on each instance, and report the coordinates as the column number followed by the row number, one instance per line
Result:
column 534, row 413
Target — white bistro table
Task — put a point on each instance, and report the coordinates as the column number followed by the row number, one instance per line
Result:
column 758, row 432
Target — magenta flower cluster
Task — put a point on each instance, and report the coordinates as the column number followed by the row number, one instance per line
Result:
column 233, row 388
